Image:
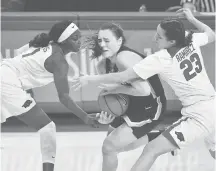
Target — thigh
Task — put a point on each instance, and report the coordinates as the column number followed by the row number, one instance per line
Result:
column 35, row 118
column 15, row 100
column 185, row 131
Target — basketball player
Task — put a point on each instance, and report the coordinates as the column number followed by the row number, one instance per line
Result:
column 180, row 64
column 41, row 63
column 147, row 98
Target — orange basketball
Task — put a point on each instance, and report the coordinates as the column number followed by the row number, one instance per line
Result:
column 115, row 104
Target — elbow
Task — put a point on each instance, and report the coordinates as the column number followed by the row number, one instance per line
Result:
column 63, row 97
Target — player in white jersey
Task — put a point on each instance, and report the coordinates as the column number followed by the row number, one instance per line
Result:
column 180, row 64
column 41, row 63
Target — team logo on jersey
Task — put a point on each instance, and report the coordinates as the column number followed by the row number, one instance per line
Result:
column 27, row 103
column 180, row 136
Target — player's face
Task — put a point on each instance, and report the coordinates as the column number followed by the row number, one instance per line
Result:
column 109, row 43
column 161, row 39
column 74, row 41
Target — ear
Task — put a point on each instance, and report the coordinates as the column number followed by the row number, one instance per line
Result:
column 120, row 40
column 173, row 42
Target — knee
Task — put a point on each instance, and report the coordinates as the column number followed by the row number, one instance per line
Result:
column 153, row 150
column 108, row 147
column 48, row 142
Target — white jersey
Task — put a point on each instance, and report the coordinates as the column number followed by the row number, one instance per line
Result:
column 29, row 67
column 185, row 72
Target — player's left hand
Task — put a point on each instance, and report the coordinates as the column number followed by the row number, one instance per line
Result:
column 104, row 117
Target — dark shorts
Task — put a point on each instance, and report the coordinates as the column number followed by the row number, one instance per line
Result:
column 142, row 108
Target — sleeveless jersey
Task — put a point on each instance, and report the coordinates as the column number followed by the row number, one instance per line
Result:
column 29, row 67
column 184, row 72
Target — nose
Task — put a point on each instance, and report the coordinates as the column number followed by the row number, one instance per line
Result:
column 102, row 44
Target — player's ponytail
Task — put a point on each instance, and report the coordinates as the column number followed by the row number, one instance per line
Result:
column 91, row 42
column 188, row 38
column 41, row 40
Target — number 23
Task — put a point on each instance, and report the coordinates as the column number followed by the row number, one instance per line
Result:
column 187, row 65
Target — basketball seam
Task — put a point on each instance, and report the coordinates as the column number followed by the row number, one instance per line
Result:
column 109, row 107
column 118, row 96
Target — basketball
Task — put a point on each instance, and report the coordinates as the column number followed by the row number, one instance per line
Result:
column 115, row 104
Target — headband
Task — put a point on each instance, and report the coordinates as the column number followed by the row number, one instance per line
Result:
column 68, row 32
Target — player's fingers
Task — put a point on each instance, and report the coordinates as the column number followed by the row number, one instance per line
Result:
column 76, row 79
column 104, row 93
column 77, row 88
column 101, row 87
column 82, row 74
column 180, row 15
column 109, row 116
column 75, row 85
column 180, row 10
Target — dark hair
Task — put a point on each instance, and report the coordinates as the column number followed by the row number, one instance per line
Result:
column 174, row 30
column 91, row 42
column 43, row 39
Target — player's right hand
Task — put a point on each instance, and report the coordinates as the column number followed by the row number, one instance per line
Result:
column 108, row 88
column 80, row 82
column 104, row 117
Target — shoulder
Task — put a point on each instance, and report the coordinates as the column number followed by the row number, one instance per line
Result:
column 128, row 55
column 128, row 58
column 57, row 60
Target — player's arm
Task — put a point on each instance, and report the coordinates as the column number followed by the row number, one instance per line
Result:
column 127, row 60
column 146, row 68
column 60, row 71
column 120, row 88
column 198, row 24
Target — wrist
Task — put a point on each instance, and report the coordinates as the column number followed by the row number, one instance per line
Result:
column 192, row 20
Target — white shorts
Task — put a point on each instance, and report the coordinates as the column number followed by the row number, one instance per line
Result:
column 14, row 100
column 190, row 128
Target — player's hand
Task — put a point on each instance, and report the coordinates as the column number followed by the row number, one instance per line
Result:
column 80, row 82
column 92, row 120
column 185, row 13
column 105, row 118
column 108, row 88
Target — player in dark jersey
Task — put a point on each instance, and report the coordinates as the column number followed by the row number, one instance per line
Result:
column 147, row 98
column 180, row 63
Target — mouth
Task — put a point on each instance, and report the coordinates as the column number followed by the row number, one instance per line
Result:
column 104, row 51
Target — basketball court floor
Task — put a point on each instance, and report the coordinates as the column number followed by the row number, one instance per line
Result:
column 79, row 149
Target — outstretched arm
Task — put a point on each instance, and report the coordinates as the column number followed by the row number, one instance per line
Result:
column 60, row 71
column 198, row 24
